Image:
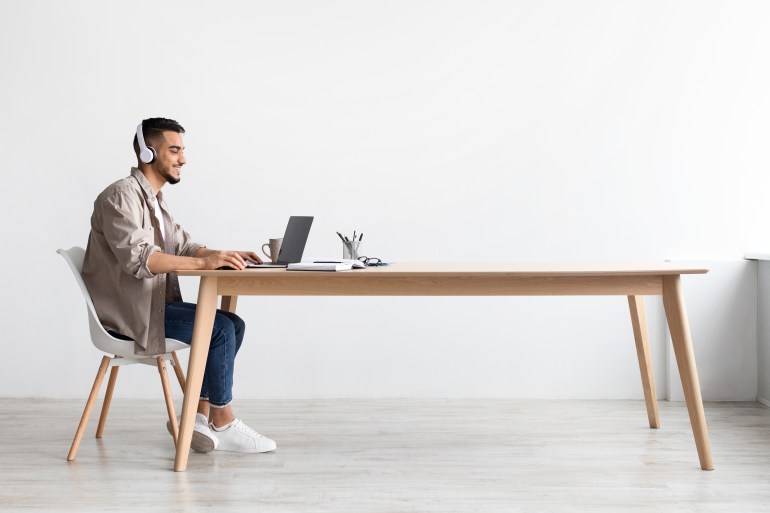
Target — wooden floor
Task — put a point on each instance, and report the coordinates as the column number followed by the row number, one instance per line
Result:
column 391, row 455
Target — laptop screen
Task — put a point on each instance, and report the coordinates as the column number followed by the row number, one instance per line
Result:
column 294, row 239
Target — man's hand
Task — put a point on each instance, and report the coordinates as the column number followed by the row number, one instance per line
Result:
column 218, row 259
column 250, row 256
column 235, row 259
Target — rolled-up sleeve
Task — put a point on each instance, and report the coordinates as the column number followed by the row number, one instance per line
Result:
column 130, row 241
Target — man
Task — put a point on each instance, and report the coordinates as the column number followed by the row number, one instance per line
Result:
column 133, row 248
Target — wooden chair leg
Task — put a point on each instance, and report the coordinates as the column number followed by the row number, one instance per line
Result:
column 107, row 401
column 89, row 406
column 178, row 370
column 169, row 399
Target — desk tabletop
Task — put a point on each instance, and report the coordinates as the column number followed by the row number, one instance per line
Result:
column 521, row 269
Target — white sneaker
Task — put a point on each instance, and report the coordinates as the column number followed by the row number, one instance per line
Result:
column 203, row 440
column 238, row 437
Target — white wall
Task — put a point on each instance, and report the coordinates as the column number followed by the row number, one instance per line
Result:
column 501, row 130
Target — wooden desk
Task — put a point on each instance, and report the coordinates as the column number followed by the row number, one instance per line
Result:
column 405, row 279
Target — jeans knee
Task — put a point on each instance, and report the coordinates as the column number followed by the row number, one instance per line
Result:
column 240, row 328
column 239, row 325
column 224, row 333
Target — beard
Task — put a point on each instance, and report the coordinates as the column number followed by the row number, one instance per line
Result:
column 165, row 172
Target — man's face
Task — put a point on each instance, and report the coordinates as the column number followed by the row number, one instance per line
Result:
column 169, row 157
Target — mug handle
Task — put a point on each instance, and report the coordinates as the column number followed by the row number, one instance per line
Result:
column 265, row 252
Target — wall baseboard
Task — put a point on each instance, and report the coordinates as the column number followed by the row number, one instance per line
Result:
column 766, row 402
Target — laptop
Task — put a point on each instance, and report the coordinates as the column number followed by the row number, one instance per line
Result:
column 294, row 240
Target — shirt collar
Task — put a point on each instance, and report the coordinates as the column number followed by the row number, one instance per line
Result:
column 146, row 187
column 143, row 182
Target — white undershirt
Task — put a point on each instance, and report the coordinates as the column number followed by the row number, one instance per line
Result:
column 159, row 217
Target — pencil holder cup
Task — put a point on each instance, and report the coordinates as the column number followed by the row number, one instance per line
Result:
column 350, row 249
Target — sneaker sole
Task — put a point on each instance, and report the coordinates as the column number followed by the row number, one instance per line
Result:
column 245, row 451
column 199, row 443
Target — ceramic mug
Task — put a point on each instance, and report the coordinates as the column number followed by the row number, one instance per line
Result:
column 275, row 249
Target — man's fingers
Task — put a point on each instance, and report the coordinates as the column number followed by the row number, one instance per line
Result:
column 231, row 259
column 237, row 262
column 253, row 257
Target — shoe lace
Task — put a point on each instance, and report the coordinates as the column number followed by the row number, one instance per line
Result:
column 240, row 426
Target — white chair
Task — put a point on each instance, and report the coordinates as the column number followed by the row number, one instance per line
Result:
column 123, row 354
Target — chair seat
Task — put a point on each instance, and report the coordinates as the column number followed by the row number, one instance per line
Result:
column 125, row 348
column 175, row 345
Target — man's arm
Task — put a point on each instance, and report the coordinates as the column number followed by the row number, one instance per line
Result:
column 204, row 259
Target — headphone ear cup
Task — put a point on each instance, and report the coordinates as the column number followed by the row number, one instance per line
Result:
column 147, row 154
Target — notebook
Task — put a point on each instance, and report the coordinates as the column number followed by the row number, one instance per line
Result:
column 327, row 265
column 320, row 266
column 294, row 240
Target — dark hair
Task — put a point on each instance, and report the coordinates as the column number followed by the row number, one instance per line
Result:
column 153, row 129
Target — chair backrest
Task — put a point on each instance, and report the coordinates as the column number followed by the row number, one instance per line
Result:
column 99, row 336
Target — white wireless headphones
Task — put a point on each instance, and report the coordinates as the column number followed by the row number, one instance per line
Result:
column 146, row 153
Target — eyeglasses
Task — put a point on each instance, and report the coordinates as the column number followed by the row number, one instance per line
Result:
column 372, row 262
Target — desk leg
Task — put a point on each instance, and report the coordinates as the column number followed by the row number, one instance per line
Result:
column 642, row 338
column 673, row 302
column 229, row 303
column 199, row 352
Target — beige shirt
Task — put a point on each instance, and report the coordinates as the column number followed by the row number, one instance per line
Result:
column 128, row 297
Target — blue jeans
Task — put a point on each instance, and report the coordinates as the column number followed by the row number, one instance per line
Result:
column 226, row 340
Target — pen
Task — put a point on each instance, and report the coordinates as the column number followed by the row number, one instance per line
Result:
column 361, row 237
column 341, row 237
column 354, row 235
